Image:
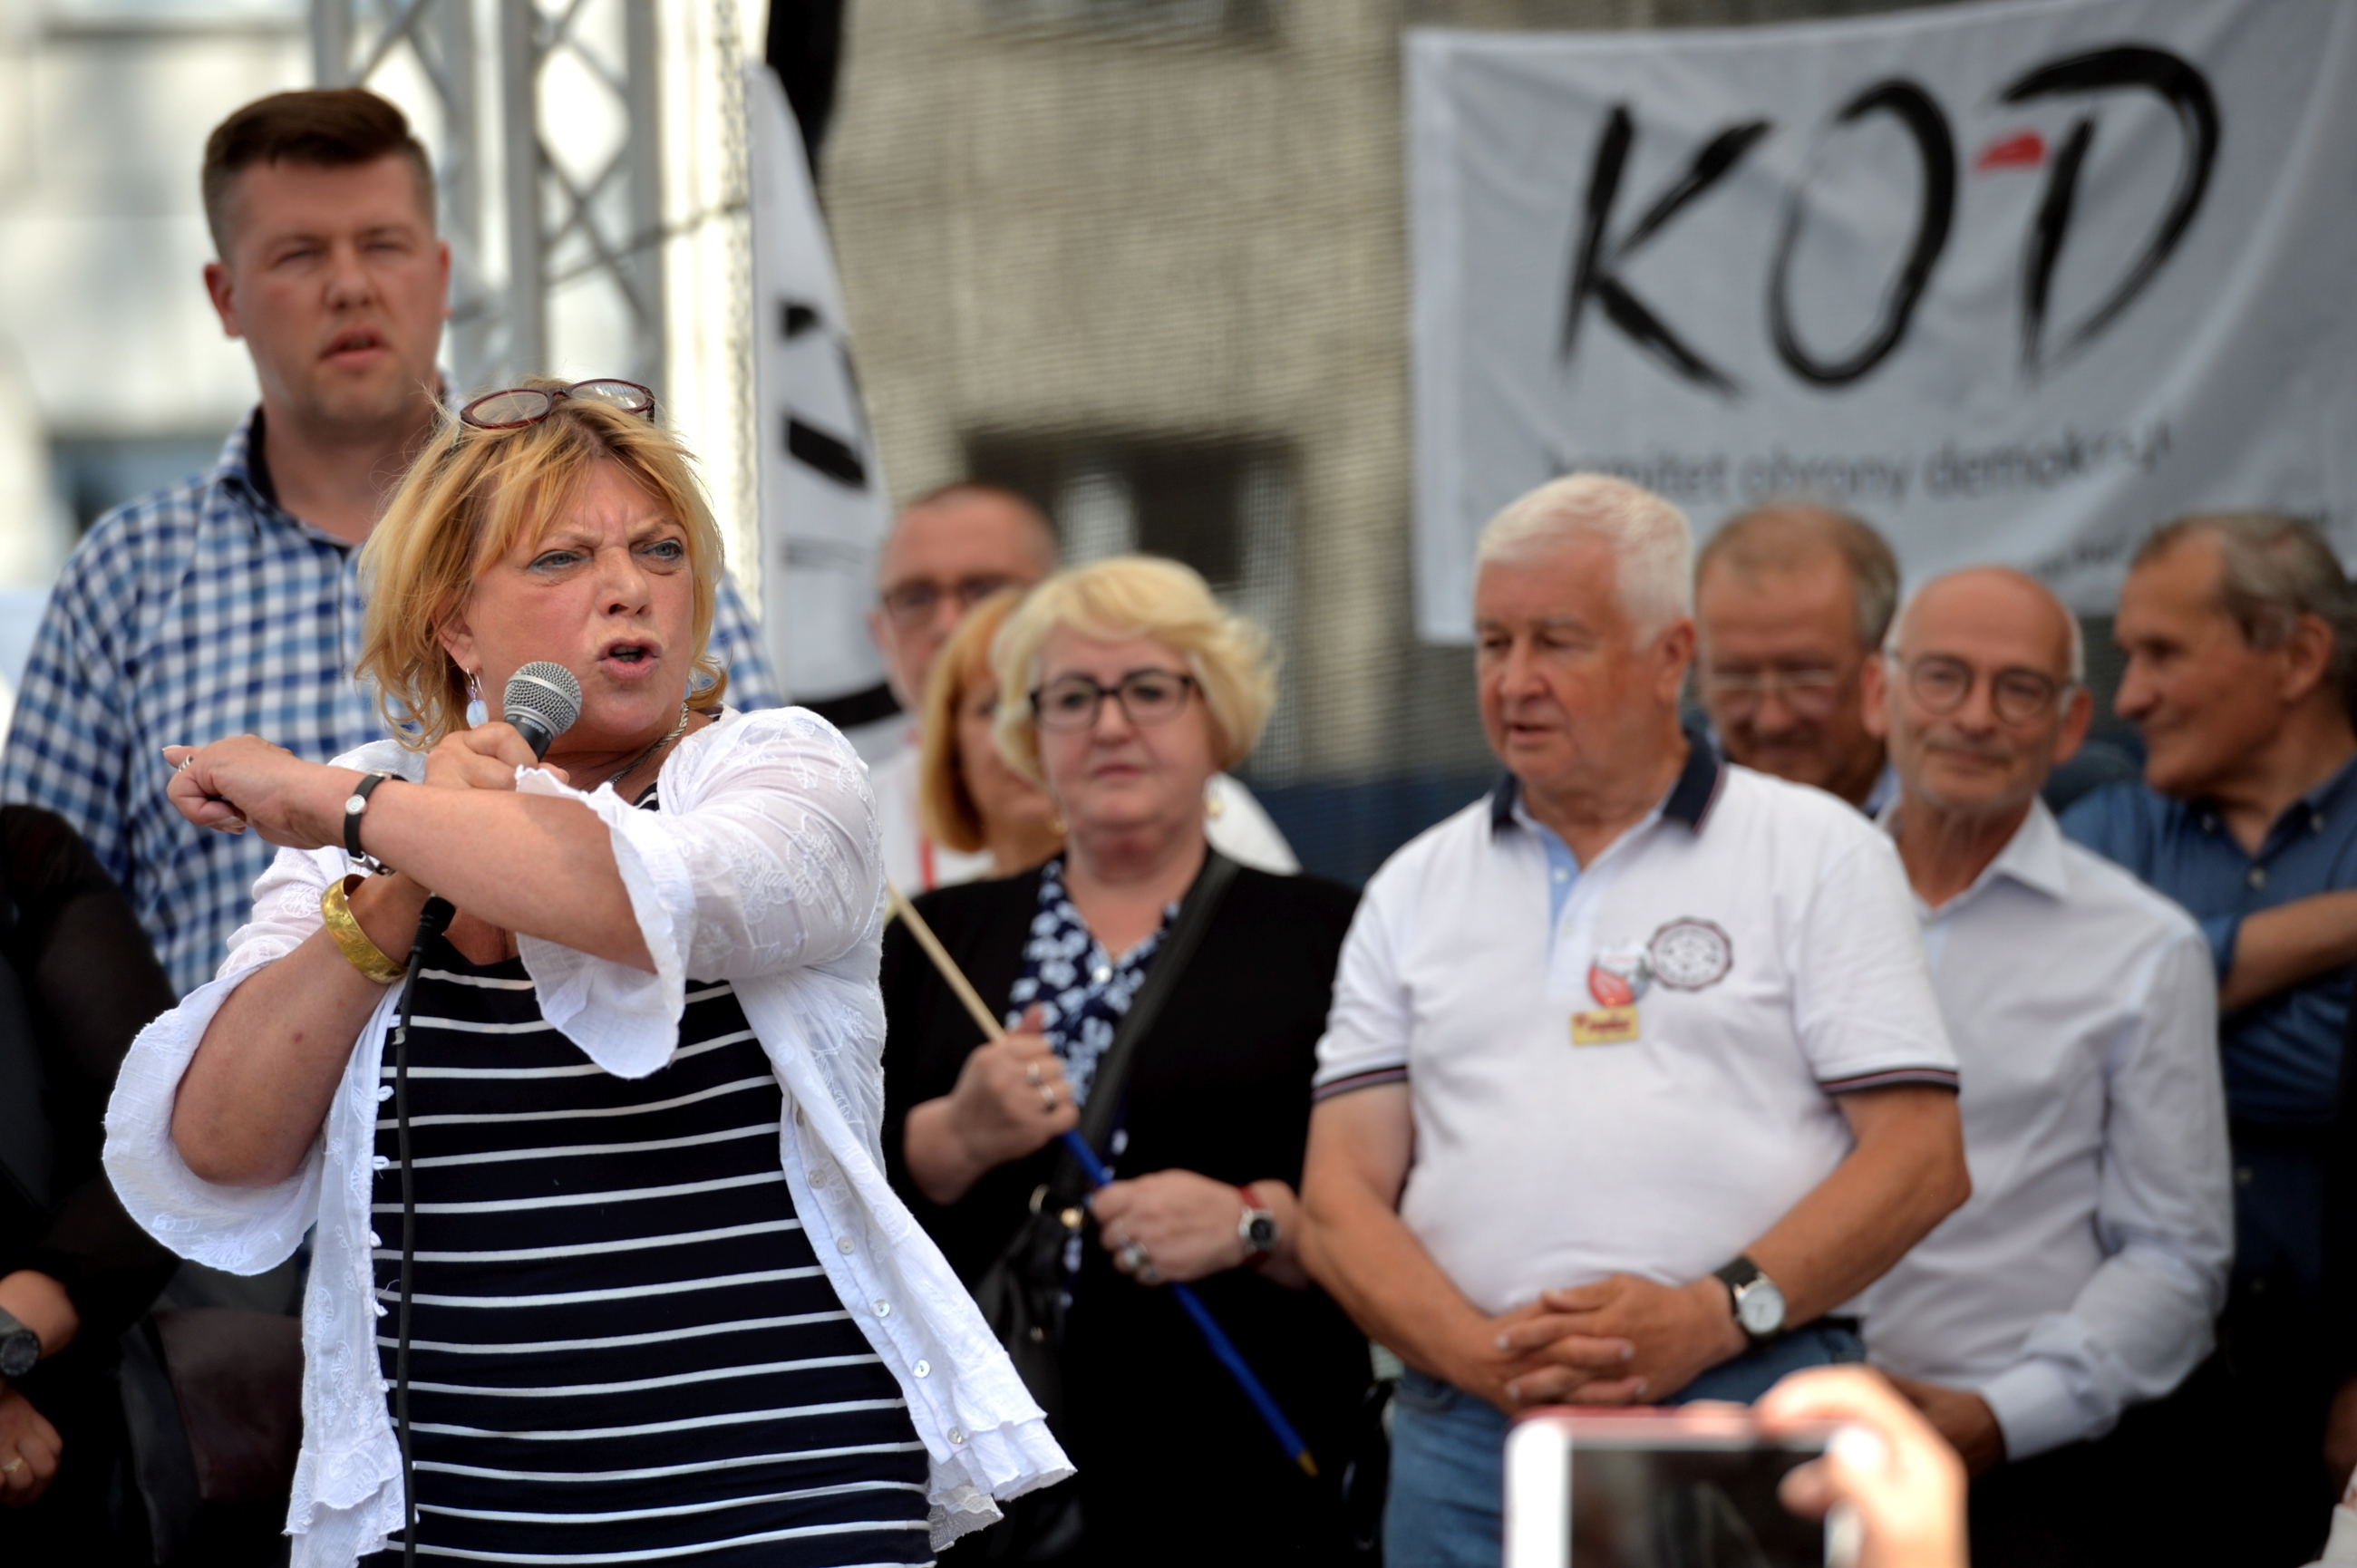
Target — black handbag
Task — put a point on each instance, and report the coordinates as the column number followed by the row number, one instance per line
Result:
column 1027, row 1290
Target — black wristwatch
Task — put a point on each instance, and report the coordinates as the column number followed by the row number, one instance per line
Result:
column 354, row 804
column 1758, row 1305
column 20, row 1347
column 1256, row 1228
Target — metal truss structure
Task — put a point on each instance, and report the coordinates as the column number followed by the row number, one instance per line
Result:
column 549, row 165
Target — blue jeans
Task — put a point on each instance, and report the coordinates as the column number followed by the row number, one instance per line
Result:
column 1448, row 1447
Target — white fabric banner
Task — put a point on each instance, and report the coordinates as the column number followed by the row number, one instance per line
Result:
column 824, row 509
column 2014, row 282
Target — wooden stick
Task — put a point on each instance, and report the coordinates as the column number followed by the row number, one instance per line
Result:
column 1222, row 1348
column 990, row 1027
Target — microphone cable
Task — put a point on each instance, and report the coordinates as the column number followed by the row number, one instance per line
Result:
column 540, row 700
column 431, row 923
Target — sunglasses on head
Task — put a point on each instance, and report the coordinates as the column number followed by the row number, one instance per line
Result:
column 516, row 407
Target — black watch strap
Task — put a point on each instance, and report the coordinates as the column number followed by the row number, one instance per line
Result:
column 20, row 1347
column 1762, row 1321
column 1736, row 1274
column 354, row 804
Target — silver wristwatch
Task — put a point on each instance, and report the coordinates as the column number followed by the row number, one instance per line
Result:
column 1758, row 1304
column 1256, row 1228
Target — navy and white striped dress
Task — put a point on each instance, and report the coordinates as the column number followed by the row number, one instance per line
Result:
column 623, row 1346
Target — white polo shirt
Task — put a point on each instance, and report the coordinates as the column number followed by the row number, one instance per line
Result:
column 2082, row 1274
column 1735, row 961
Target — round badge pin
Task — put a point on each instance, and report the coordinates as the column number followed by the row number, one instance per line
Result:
column 1689, row 955
column 1618, row 975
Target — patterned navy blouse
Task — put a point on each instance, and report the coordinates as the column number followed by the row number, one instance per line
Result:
column 1081, row 990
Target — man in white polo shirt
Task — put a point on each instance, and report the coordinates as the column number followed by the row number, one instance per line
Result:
column 2083, row 1275
column 1633, row 1071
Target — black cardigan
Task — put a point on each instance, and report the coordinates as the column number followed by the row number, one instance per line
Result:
column 1219, row 1086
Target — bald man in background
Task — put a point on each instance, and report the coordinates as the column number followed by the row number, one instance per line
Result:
column 949, row 550
column 2080, row 1279
column 1791, row 605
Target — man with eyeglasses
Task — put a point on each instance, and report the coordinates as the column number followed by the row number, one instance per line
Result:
column 2081, row 1277
column 949, row 550
column 2240, row 631
column 1791, row 602
column 232, row 603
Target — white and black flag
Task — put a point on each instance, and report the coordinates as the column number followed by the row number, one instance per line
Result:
column 823, row 507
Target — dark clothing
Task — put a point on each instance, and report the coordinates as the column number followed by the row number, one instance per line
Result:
column 620, row 1339
column 78, row 981
column 1175, row 1466
column 2255, row 1409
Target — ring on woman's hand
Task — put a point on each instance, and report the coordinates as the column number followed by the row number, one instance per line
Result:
column 186, row 763
column 1031, row 1074
column 13, row 1465
column 1048, row 1098
column 1134, row 1260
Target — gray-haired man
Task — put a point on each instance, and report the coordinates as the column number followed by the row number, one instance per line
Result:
column 2241, row 636
column 1791, row 602
column 1633, row 1073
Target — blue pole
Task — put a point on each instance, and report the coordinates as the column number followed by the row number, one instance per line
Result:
column 1214, row 1336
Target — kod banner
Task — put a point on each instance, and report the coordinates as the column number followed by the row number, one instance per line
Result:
column 2015, row 282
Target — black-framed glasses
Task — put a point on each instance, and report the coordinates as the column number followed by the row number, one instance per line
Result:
column 516, row 407
column 911, row 605
column 1147, row 697
column 1942, row 684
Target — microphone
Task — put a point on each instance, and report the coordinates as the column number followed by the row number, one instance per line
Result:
column 541, row 700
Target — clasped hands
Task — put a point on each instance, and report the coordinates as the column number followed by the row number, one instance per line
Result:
column 1621, row 1340
column 1012, row 1097
column 244, row 782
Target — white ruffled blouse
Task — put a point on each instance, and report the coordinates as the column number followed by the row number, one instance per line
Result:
column 762, row 869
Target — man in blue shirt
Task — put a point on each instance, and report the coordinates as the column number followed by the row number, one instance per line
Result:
column 2241, row 637
column 231, row 603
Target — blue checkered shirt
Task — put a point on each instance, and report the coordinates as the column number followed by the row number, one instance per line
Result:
column 202, row 610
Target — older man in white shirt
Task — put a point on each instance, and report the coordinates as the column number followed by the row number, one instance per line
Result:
column 2083, row 1275
column 1633, row 1073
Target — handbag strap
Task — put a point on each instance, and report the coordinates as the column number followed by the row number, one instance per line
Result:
column 1110, row 1080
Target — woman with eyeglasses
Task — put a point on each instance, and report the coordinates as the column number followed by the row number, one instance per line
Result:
column 1123, row 687
column 605, row 1266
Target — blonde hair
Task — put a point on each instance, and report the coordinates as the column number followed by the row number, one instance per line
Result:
column 471, row 499
column 1127, row 596
column 945, row 806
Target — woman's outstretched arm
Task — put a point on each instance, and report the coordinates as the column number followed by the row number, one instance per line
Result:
column 258, row 1087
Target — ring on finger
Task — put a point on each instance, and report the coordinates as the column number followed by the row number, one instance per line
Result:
column 186, row 763
column 1148, row 1275
column 1134, row 1259
column 1031, row 1074
column 1048, row 1098
column 13, row 1465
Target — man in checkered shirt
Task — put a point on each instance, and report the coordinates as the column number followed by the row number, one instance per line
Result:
column 230, row 604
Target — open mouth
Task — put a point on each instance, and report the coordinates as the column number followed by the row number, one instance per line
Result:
column 354, row 340
column 629, row 654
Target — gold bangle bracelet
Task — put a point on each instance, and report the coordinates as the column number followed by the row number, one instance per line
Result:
column 336, row 910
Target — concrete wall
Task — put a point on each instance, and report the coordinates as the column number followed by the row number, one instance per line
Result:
column 1181, row 219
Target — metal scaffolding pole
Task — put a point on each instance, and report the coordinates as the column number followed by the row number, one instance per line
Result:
column 555, row 235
